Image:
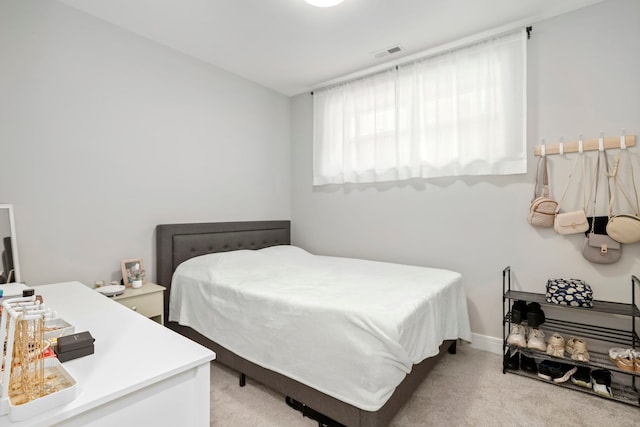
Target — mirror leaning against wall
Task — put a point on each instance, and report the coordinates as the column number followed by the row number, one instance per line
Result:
column 9, row 266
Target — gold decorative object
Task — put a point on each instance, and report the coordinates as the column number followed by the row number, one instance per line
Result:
column 27, row 374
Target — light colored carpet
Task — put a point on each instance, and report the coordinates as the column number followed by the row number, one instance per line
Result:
column 466, row 389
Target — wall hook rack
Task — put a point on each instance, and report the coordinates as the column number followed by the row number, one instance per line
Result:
column 609, row 143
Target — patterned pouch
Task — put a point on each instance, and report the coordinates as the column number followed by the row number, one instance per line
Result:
column 571, row 292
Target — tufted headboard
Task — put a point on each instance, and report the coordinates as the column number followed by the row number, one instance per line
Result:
column 176, row 243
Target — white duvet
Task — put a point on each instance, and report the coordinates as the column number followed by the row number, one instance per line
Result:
column 347, row 327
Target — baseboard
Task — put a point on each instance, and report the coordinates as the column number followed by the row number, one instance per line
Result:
column 486, row 343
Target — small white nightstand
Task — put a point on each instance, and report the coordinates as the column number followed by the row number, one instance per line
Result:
column 147, row 300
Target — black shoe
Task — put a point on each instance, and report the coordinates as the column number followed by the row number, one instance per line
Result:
column 555, row 371
column 512, row 361
column 528, row 364
column 582, row 377
column 518, row 311
column 547, row 369
column 602, row 382
column 535, row 315
column 564, row 373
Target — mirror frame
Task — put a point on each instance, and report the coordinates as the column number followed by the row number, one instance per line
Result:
column 14, row 242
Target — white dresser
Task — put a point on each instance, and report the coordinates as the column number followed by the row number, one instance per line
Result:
column 141, row 373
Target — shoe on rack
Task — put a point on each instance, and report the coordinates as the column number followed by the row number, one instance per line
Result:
column 528, row 364
column 582, row 377
column 535, row 315
column 518, row 311
column 616, row 352
column 568, row 347
column 547, row 369
column 557, row 372
column 555, row 345
column 512, row 360
column 625, row 361
column 601, row 382
column 579, row 349
column 536, row 340
column 518, row 336
column 564, row 373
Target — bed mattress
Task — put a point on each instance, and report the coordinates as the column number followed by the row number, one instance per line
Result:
column 349, row 328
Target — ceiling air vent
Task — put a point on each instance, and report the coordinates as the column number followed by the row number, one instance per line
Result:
column 388, row 51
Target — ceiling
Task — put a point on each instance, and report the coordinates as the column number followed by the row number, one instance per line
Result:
column 292, row 47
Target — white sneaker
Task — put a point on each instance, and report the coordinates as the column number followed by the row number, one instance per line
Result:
column 517, row 336
column 555, row 346
column 568, row 346
column 536, row 340
column 616, row 352
column 636, row 358
column 580, row 352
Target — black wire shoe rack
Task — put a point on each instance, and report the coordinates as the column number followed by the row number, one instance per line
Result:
column 625, row 388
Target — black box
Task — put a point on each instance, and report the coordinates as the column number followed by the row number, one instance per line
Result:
column 73, row 346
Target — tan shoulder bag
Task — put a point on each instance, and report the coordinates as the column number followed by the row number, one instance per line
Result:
column 623, row 228
column 572, row 222
column 542, row 209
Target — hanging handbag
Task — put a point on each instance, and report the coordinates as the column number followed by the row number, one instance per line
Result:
column 623, row 228
column 571, row 222
column 599, row 248
column 598, row 224
column 542, row 209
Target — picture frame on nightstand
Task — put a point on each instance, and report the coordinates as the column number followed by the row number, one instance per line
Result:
column 132, row 269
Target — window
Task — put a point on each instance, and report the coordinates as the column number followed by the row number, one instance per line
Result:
column 458, row 113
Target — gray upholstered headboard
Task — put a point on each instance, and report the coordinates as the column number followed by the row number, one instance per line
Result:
column 176, row 243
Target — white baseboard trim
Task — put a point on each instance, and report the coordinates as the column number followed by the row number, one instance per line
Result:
column 486, row 343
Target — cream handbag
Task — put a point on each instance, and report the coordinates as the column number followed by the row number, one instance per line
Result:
column 623, row 228
column 572, row 222
column 542, row 209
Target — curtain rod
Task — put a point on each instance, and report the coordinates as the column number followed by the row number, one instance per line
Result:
column 461, row 43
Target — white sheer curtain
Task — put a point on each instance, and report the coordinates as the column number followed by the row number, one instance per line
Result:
column 458, row 113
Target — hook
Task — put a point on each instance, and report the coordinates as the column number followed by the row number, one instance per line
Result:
column 623, row 140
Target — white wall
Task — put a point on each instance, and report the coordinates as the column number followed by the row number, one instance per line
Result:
column 583, row 79
column 104, row 134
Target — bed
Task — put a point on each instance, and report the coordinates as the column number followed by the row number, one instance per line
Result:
column 183, row 247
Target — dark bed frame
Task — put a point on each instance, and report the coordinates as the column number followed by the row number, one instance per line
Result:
column 176, row 243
